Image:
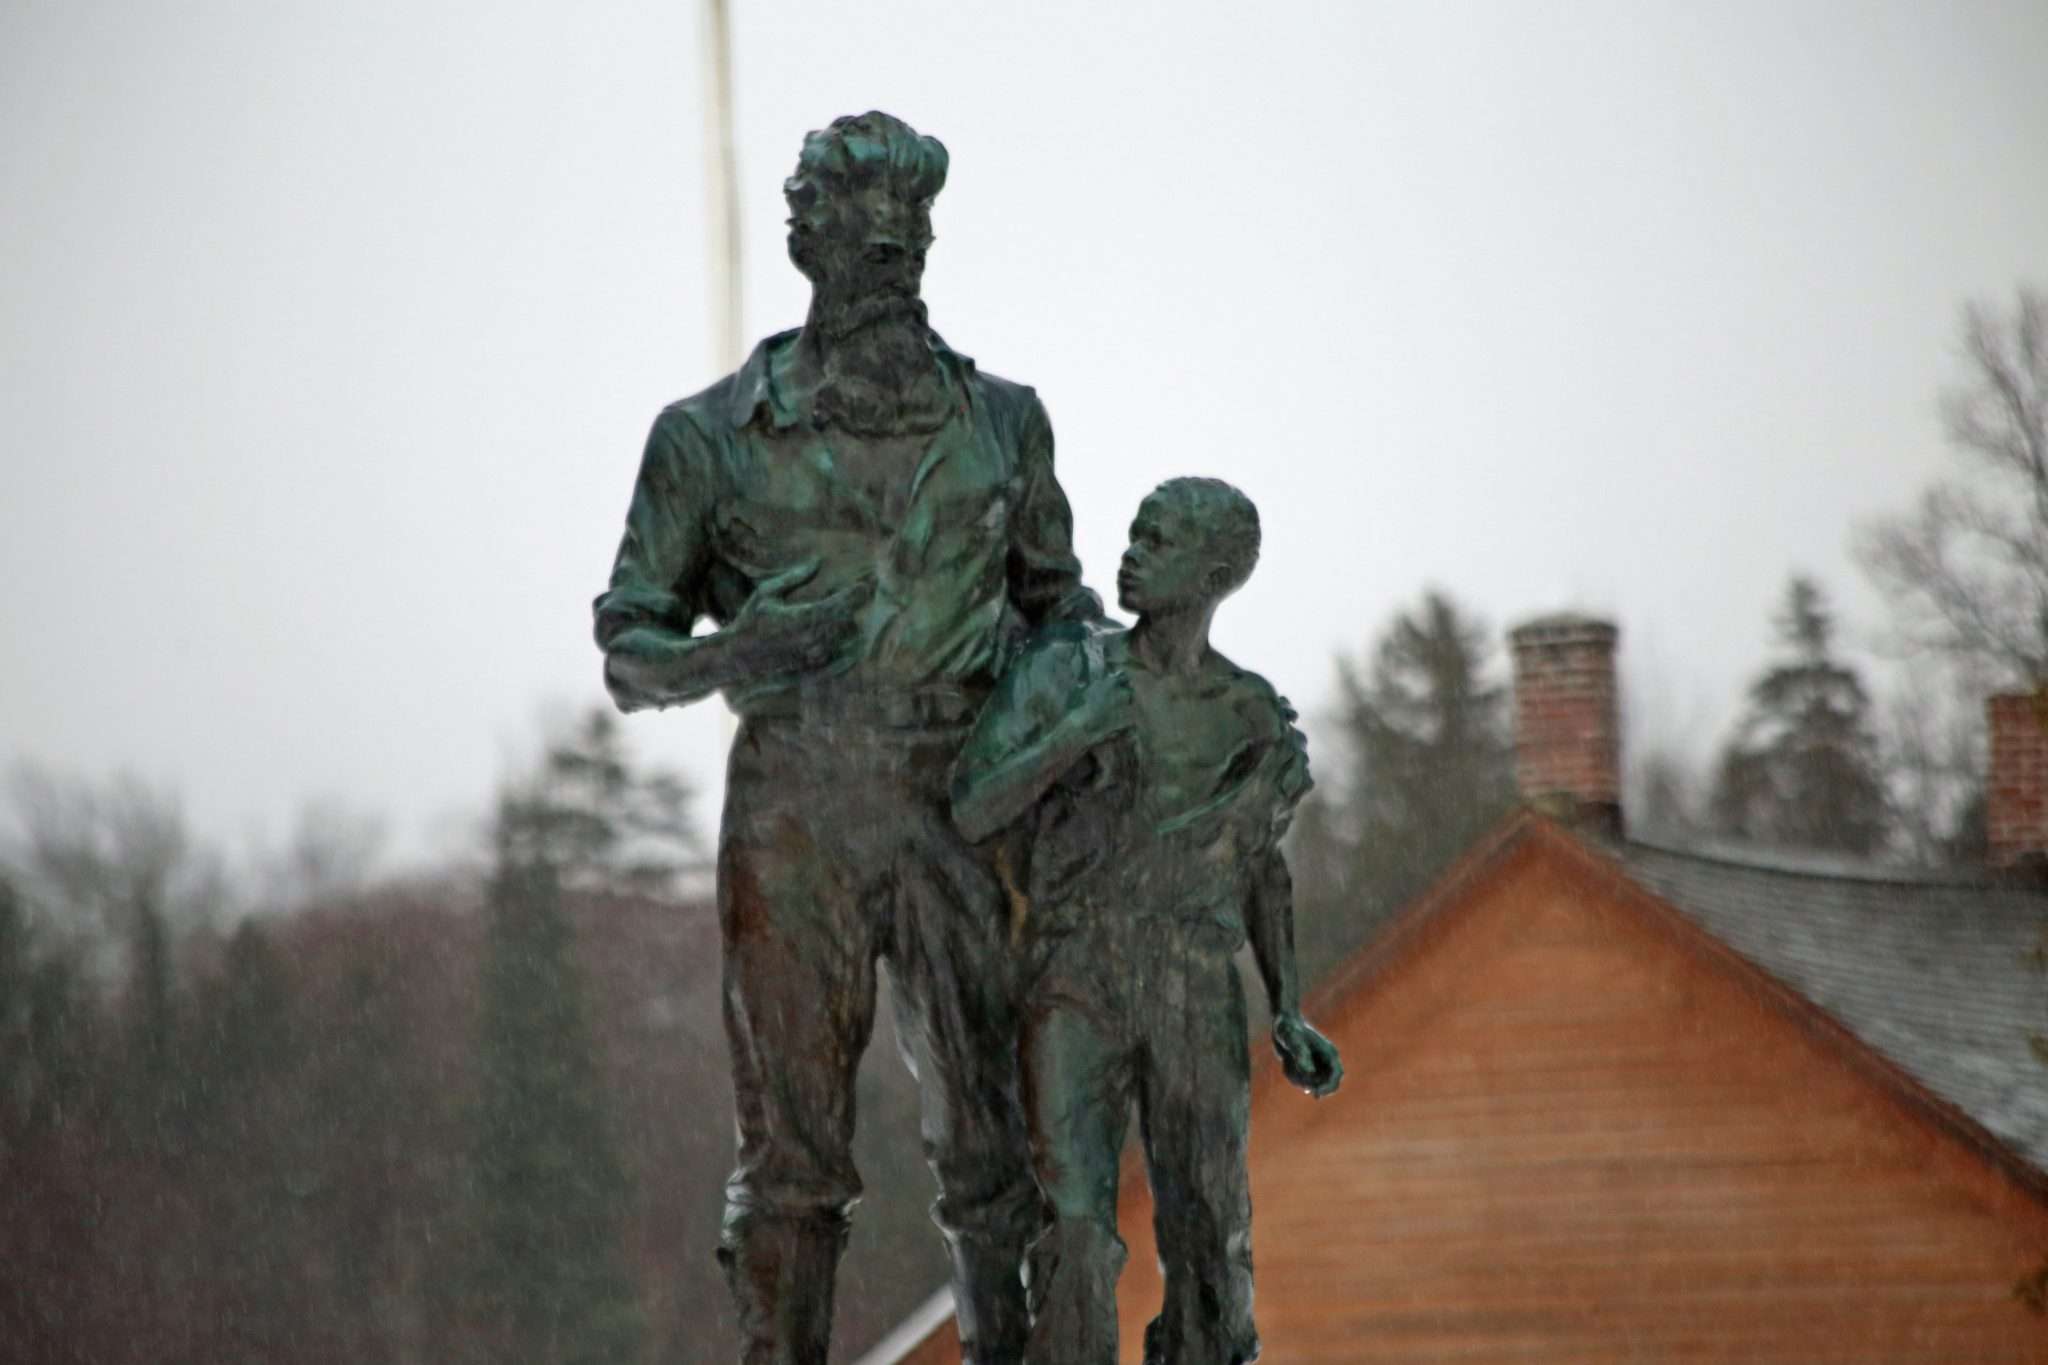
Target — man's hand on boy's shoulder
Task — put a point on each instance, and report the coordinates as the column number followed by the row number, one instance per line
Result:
column 1308, row 1059
column 1103, row 705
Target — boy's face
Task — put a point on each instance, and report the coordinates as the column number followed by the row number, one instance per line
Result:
column 1165, row 568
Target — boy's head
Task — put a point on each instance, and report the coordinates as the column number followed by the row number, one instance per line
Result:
column 1193, row 543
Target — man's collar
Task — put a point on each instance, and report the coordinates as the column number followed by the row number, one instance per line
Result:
column 754, row 392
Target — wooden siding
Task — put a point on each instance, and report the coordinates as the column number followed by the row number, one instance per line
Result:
column 1574, row 1128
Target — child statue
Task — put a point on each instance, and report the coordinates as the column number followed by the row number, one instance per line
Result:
column 1138, row 783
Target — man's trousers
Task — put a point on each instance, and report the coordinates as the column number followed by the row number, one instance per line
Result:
column 836, row 851
column 1148, row 1011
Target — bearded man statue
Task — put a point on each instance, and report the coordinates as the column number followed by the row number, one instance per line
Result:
column 870, row 523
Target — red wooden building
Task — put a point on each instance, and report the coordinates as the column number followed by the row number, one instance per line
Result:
column 1609, row 1101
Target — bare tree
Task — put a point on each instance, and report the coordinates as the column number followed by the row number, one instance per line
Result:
column 1965, row 576
column 1666, row 794
column 1934, row 767
column 1966, row 572
column 331, row 851
column 1664, row 774
column 95, row 856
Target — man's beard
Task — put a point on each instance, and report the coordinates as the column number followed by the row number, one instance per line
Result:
column 881, row 378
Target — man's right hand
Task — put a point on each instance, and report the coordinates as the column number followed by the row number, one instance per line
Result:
column 776, row 637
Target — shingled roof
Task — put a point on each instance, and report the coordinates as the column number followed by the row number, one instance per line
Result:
column 1927, row 979
column 1932, row 974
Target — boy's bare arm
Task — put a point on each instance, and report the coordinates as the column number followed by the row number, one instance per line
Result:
column 1270, row 927
column 1309, row 1059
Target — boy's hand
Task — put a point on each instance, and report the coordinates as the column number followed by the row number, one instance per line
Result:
column 1306, row 1056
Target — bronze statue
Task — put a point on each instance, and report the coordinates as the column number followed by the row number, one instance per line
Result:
column 871, row 523
column 1142, row 782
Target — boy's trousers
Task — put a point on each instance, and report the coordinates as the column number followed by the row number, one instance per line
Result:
column 1152, row 1011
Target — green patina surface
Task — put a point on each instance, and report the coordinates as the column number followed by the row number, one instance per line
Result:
column 873, row 530
column 1143, row 782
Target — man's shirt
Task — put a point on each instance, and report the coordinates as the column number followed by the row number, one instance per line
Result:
column 967, row 545
column 1174, row 818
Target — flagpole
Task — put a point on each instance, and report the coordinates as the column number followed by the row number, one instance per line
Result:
column 723, row 212
column 723, row 202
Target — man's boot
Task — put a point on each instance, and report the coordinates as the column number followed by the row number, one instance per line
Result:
column 1074, row 1272
column 781, row 1272
column 1239, row 1346
column 988, row 1299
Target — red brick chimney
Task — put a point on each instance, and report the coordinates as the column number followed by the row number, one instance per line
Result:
column 1567, row 722
column 2016, row 789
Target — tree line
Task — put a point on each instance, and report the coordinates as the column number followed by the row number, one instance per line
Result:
column 380, row 1129
column 1421, row 735
column 484, row 1117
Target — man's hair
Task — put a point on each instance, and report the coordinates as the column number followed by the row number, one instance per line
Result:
column 860, row 152
column 1229, row 521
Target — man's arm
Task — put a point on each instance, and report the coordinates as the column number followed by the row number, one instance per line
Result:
column 643, row 621
column 1045, row 715
column 1045, row 576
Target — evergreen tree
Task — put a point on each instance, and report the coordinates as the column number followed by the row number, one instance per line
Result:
column 1804, row 769
column 601, row 820
column 156, row 1089
column 249, row 1151
column 19, row 1079
column 51, row 1207
column 247, row 1030
column 1431, row 767
column 358, row 1087
column 550, row 1192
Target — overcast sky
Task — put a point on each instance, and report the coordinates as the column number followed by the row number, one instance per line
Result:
column 329, row 334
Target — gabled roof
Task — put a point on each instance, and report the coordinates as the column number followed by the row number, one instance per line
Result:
column 1932, row 974
column 1922, row 985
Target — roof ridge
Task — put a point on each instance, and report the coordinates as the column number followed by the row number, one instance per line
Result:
column 1815, row 865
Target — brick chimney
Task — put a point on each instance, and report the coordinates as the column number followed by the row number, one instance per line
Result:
column 1567, row 722
column 2016, row 789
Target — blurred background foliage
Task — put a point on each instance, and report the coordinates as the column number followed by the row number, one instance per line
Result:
column 307, row 1108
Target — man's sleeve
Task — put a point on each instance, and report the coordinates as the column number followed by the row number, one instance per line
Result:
column 1027, row 702
column 1045, row 577
column 658, row 574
